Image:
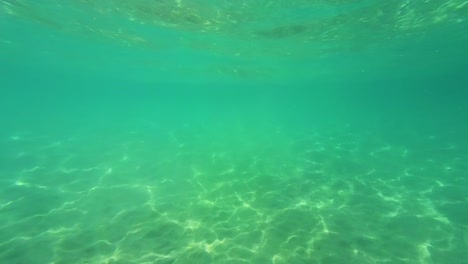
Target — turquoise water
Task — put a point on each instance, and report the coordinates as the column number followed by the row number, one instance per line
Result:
column 233, row 132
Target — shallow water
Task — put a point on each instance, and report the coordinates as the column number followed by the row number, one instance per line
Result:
column 235, row 132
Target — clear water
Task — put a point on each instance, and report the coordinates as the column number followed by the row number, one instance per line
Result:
column 233, row 132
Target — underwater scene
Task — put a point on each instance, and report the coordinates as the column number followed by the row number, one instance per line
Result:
column 247, row 131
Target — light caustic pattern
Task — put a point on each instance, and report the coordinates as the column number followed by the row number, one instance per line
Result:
column 199, row 195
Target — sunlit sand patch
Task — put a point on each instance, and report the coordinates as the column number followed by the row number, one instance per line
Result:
column 22, row 183
column 191, row 225
column 382, row 149
column 15, row 138
column 424, row 253
column 207, row 203
column 9, row 8
column 395, row 213
column 35, row 168
column 69, row 170
column 440, row 184
column 228, row 171
column 196, row 172
column 448, row 168
column 5, row 204
column 431, row 212
column 462, row 5
column 301, row 203
column 405, row 152
column 396, row 198
column 276, row 259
